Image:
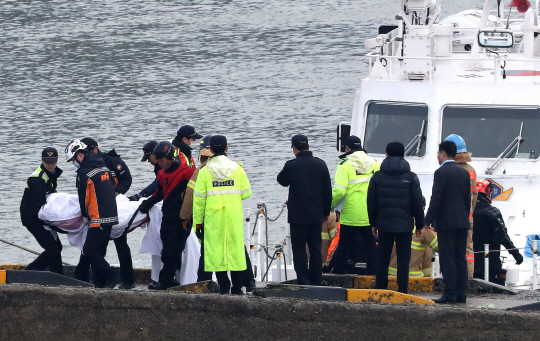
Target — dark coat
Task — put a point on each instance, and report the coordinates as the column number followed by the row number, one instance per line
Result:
column 310, row 188
column 120, row 170
column 450, row 199
column 95, row 187
column 150, row 189
column 35, row 194
column 489, row 229
column 394, row 199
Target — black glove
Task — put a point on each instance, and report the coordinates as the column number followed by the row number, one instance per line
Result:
column 145, row 206
column 199, row 233
column 518, row 257
column 135, row 197
column 326, row 269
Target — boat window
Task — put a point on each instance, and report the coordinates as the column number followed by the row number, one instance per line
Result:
column 489, row 131
column 402, row 122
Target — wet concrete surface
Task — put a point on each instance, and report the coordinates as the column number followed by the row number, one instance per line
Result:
column 489, row 301
column 29, row 312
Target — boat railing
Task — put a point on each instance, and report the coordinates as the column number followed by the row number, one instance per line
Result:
column 499, row 61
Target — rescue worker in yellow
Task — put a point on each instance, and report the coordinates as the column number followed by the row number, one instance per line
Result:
column 422, row 249
column 217, row 207
column 351, row 184
column 421, row 252
column 462, row 157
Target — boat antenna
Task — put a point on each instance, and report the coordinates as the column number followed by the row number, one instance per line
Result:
column 499, row 8
column 508, row 21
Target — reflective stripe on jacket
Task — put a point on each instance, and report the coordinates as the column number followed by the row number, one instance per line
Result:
column 352, row 180
column 419, row 248
column 217, row 203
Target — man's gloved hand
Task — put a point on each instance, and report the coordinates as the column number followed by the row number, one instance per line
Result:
column 199, row 232
column 134, row 197
column 518, row 257
column 326, row 269
column 145, row 206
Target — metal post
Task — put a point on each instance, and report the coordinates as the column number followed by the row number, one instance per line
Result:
column 251, row 241
column 486, row 262
column 535, row 258
column 278, row 259
column 433, row 264
column 261, row 247
column 288, row 245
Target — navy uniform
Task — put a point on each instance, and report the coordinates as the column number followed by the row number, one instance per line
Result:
column 39, row 185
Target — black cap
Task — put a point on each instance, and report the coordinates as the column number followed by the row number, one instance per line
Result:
column 148, row 149
column 353, row 142
column 49, row 155
column 89, row 142
column 300, row 142
column 189, row 132
column 218, row 144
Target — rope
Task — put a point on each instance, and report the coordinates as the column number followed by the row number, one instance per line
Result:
column 25, row 249
column 516, row 248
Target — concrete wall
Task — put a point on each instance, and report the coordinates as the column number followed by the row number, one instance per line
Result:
column 42, row 313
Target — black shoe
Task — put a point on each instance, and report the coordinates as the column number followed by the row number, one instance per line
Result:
column 112, row 279
column 163, row 286
column 151, row 284
column 250, row 286
column 238, row 292
column 461, row 298
column 127, row 286
column 446, row 298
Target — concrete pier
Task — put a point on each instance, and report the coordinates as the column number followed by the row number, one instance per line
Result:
column 30, row 312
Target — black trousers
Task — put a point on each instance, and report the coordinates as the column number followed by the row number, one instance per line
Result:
column 173, row 237
column 237, row 278
column 347, row 246
column 384, row 253
column 300, row 235
column 94, row 250
column 52, row 256
column 207, row 276
column 124, row 257
column 453, row 259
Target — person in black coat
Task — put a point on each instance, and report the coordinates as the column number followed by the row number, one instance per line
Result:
column 310, row 197
column 394, row 203
column 40, row 184
column 449, row 213
column 489, row 228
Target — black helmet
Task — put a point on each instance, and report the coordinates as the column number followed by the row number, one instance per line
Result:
column 164, row 149
column 205, row 142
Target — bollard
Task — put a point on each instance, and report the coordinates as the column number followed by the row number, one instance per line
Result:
column 433, row 264
column 278, row 259
column 535, row 258
column 486, row 262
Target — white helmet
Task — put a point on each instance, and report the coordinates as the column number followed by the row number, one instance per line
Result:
column 72, row 148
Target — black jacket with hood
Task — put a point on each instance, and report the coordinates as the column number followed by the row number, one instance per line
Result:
column 394, row 199
column 120, row 170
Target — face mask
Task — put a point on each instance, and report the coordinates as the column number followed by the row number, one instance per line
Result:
column 76, row 164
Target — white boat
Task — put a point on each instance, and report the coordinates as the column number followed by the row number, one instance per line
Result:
column 475, row 74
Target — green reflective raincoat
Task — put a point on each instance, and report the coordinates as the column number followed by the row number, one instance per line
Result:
column 220, row 188
column 352, row 179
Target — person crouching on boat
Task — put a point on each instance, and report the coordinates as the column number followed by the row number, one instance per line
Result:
column 173, row 179
column 40, row 184
column 217, row 204
column 351, row 185
column 95, row 188
column 490, row 229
